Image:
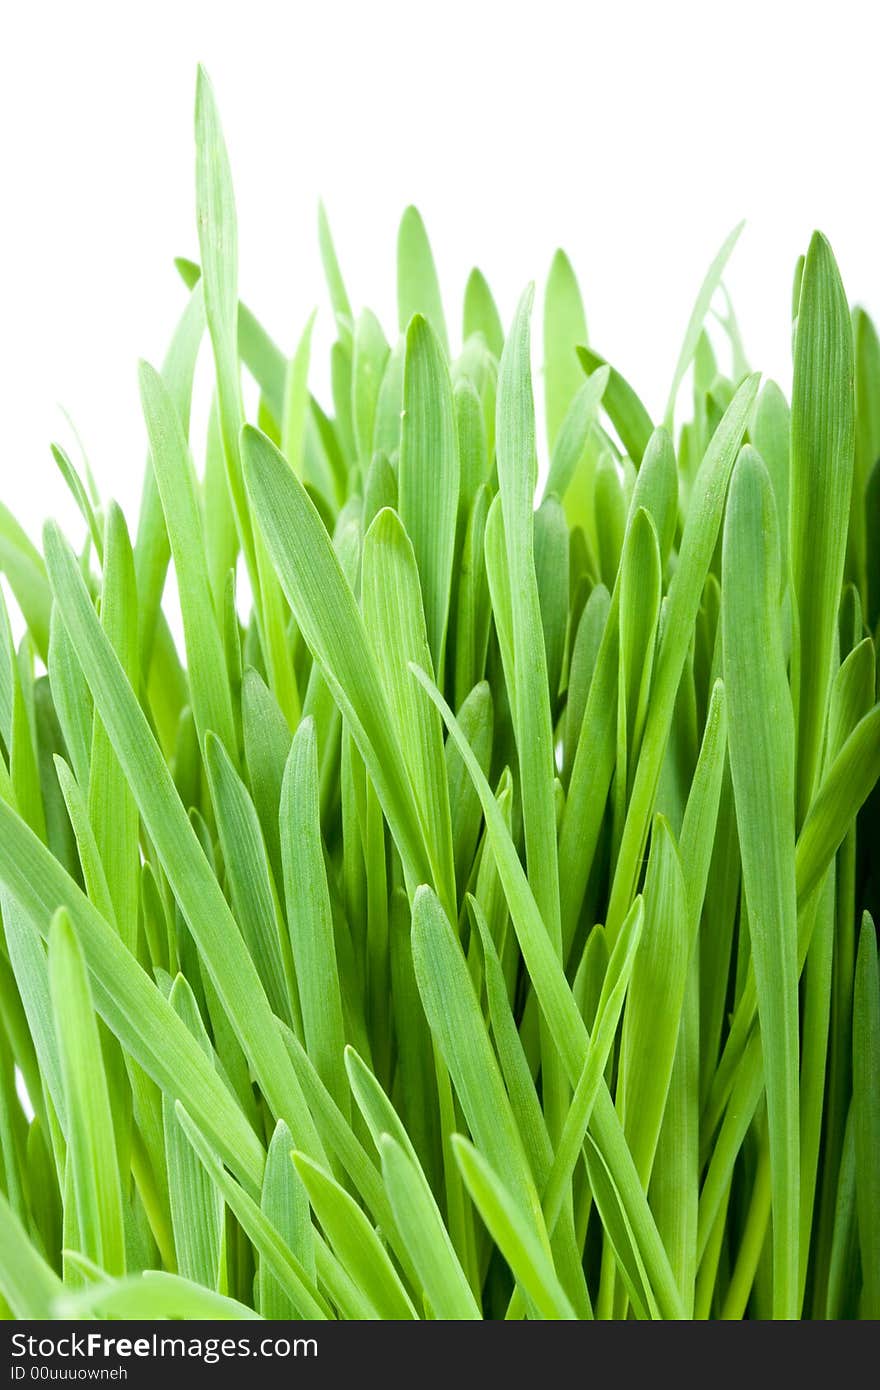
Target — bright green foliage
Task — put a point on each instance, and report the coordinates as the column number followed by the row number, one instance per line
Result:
column 476, row 920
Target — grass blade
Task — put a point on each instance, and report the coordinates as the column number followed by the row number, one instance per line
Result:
column 762, row 766
column 822, row 451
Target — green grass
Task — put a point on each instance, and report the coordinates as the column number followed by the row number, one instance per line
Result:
column 477, row 921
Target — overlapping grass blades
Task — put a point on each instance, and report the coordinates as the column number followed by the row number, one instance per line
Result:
column 479, row 923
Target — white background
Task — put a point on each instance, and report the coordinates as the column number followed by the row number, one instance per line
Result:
column 634, row 135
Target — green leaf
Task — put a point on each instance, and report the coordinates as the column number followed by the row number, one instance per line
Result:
column 625, row 410
column 72, row 699
column 552, row 578
column 682, row 603
column 153, row 1295
column 23, row 567
column 309, row 915
column 508, row 1044
column 248, row 875
column 514, row 1235
column 845, row 787
column 196, row 1211
column 517, row 476
column 866, row 1113
column 189, row 873
column 615, row 1222
column 762, row 765
column 571, row 439
column 421, row 1224
column 175, row 476
column 27, row 1282
column 371, row 354
column 112, row 808
column 94, row 875
column 80, row 497
column 357, row 1246
column 563, row 1018
column 771, row 433
column 477, row 719
column 654, row 1003
column 698, row 315
column 218, row 245
column 332, row 274
column 386, row 429
column 418, row 290
column 640, row 594
column 395, row 625
column 287, row 1269
column 428, row 474
column 453, row 1012
column 91, row 1143
column 296, row 401
column 822, row 451
column 610, row 1005
column 474, row 616
column 331, row 623
column 481, row 314
column 565, row 327
column 285, row 1203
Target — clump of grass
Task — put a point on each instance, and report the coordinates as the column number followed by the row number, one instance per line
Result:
column 478, row 924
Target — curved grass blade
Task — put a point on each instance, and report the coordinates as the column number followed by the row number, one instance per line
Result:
column 515, row 1236
column 356, row 1244
column 23, row 566
column 28, row 1284
column 573, row 433
column 847, row 784
column 153, row 1294
column 625, row 410
column 333, row 275
column 80, row 496
column 698, row 315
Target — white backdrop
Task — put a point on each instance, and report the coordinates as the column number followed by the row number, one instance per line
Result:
column 635, row 135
